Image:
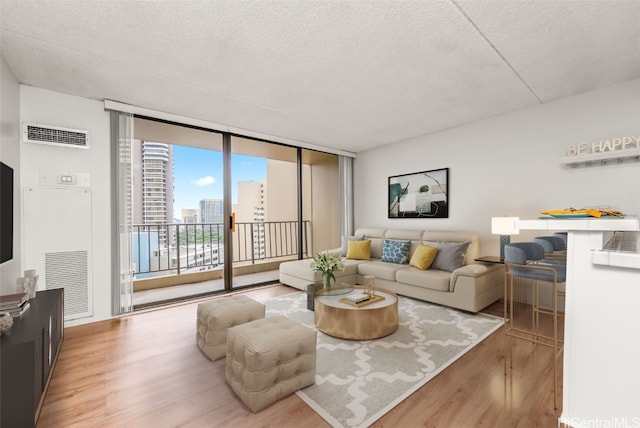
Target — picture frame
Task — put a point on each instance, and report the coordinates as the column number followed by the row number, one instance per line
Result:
column 423, row 194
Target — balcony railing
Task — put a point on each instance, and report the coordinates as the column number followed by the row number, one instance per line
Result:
column 162, row 249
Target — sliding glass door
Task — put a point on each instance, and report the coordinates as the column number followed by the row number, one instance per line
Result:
column 264, row 195
column 178, row 201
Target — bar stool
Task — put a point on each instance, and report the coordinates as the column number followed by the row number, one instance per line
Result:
column 522, row 262
column 555, row 254
column 563, row 236
column 554, row 246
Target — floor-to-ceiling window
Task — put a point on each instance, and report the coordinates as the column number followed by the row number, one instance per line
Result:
column 213, row 216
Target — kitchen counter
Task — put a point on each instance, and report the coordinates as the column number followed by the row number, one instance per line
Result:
column 600, row 374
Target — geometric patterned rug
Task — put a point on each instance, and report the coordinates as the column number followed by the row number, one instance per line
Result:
column 357, row 382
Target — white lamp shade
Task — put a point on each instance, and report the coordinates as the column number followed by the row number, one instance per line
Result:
column 504, row 225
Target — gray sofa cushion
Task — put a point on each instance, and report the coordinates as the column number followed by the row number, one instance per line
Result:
column 473, row 251
column 450, row 256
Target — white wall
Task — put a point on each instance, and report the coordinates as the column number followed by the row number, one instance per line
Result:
column 52, row 108
column 10, row 155
column 510, row 165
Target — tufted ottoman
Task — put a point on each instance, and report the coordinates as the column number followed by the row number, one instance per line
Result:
column 216, row 316
column 268, row 359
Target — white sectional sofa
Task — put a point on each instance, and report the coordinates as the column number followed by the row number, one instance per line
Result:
column 470, row 287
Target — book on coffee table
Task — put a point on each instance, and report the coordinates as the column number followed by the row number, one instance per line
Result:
column 357, row 297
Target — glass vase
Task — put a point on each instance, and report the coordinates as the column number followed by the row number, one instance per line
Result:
column 328, row 282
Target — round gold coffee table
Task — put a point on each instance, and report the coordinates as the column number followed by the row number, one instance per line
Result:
column 347, row 321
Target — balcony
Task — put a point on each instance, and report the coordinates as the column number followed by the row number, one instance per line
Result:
column 177, row 261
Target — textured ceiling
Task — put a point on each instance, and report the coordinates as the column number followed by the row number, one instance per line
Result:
column 349, row 75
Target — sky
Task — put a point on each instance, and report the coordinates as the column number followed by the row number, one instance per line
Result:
column 197, row 175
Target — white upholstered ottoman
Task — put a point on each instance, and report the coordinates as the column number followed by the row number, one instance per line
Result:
column 268, row 359
column 216, row 316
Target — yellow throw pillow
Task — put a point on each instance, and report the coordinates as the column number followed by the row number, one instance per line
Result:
column 359, row 250
column 423, row 256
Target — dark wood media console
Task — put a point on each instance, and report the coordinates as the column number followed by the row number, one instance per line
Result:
column 28, row 354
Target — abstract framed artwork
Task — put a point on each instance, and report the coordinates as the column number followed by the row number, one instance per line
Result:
column 422, row 194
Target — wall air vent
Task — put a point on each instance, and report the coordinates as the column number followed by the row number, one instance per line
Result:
column 69, row 270
column 55, row 135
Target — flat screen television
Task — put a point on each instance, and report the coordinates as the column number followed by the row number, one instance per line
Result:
column 6, row 213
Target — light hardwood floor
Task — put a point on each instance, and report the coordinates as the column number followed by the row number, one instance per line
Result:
column 145, row 370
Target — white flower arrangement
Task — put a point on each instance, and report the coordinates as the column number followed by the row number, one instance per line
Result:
column 327, row 264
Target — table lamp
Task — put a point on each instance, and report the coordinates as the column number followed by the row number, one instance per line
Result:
column 505, row 227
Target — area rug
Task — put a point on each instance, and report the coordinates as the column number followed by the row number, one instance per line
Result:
column 357, row 382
